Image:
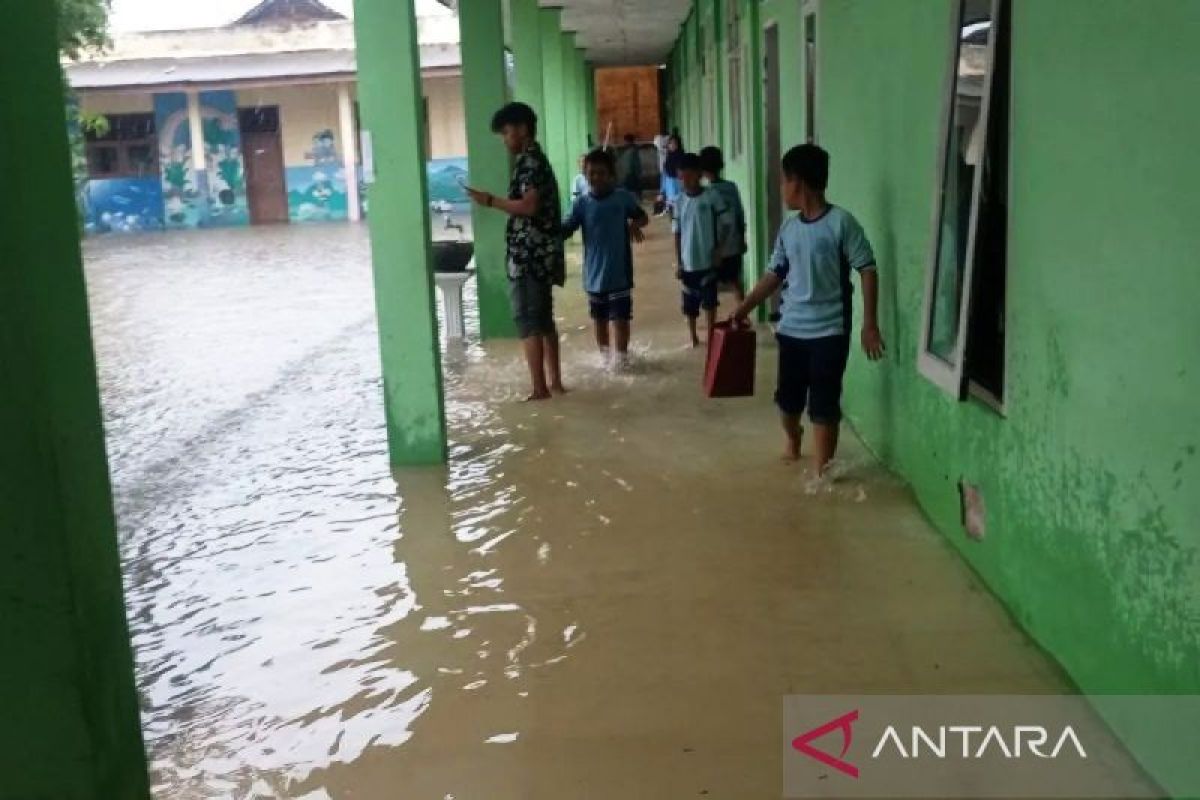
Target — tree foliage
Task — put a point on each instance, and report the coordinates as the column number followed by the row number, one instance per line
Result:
column 82, row 25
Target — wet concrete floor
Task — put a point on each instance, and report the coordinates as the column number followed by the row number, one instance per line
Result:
column 602, row 596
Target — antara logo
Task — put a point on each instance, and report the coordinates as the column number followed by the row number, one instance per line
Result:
column 973, row 742
column 843, row 723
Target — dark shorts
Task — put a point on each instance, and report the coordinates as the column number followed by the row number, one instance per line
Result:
column 611, row 306
column 730, row 270
column 699, row 291
column 532, row 306
column 810, row 375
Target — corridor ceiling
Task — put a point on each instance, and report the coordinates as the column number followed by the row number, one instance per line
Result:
column 631, row 32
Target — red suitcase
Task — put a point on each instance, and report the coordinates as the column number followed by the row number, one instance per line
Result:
column 729, row 369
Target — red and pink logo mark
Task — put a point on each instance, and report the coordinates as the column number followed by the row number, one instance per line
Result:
column 844, row 723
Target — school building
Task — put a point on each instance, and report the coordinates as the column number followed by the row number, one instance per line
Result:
column 273, row 97
column 1025, row 170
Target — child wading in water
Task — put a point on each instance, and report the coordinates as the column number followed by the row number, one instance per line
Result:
column 609, row 216
column 814, row 254
column 703, row 226
column 729, row 271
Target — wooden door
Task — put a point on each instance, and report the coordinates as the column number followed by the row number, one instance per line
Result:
column 262, row 152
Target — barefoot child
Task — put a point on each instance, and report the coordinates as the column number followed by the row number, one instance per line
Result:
column 702, row 225
column 535, row 247
column 609, row 216
column 815, row 253
column 729, row 271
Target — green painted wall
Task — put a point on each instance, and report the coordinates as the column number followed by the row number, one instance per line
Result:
column 1092, row 538
column 389, row 89
column 69, row 727
column 526, row 32
column 484, row 91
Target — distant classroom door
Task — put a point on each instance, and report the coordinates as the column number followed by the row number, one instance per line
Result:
column 262, row 151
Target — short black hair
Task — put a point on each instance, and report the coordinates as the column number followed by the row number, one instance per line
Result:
column 515, row 113
column 712, row 160
column 601, row 158
column 689, row 161
column 808, row 163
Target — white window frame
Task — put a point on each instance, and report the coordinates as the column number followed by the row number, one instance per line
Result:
column 950, row 377
column 811, row 8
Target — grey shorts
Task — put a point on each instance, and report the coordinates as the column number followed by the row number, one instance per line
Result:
column 533, row 306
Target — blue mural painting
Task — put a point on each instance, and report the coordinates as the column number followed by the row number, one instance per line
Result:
column 317, row 191
column 215, row 195
column 122, row 205
column 227, row 203
column 444, row 177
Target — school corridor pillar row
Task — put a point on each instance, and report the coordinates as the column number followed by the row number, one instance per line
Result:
column 484, row 91
column 571, row 107
column 69, row 726
column 525, row 22
column 389, row 86
column 552, row 131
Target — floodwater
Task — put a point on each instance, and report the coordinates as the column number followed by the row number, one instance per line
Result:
column 601, row 596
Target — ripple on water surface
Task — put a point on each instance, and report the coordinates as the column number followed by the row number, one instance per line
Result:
column 278, row 582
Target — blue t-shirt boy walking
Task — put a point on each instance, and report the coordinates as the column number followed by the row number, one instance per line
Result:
column 703, row 227
column 816, row 253
column 609, row 217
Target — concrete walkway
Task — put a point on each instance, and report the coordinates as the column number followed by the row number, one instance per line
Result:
column 603, row 596
column 639, row 580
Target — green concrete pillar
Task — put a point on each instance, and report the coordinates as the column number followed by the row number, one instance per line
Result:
column 69, row 727
column 482, row 34
column 584, row 122
column 553, row 133
column 389, row 90
column 525, row 24
column 572, row 102
column 593, row 117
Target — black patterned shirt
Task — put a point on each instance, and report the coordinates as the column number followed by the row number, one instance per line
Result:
column 535, row 244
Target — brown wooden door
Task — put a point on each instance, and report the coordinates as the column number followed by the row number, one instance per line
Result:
column 266, row 183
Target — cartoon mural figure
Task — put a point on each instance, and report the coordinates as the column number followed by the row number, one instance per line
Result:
column 317, row 192
column 324, row 149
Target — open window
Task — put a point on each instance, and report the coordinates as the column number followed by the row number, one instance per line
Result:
column 963, row 331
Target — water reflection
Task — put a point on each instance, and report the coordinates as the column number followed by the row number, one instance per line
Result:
column 292, row 603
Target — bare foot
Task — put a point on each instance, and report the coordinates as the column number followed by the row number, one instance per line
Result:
column 695, row 341
column 558, row 388
column 537, row 396
column 791, row 452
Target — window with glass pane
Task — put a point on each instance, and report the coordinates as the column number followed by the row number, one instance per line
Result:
column 963, row 326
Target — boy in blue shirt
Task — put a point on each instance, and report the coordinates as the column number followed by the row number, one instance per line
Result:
column 609, row 216
column 815, row 253
column 703, row 227
column 729, row 272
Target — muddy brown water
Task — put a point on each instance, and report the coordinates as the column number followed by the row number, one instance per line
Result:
column 602, row 596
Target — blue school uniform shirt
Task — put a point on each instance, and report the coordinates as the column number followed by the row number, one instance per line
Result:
column 815, row 258
column 607, row 257
column 701, row 222
column 736, row 245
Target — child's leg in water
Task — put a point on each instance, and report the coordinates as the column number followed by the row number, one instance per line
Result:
column 602, row 340
column 620, row 337
column 794, row 433
column 825, row 438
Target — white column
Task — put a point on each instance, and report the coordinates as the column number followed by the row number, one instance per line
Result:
column 349, row 151
column 196, row 126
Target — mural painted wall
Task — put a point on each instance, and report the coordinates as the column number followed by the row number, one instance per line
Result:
column 216, row 195
column 317, row 192
column 122, row 205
